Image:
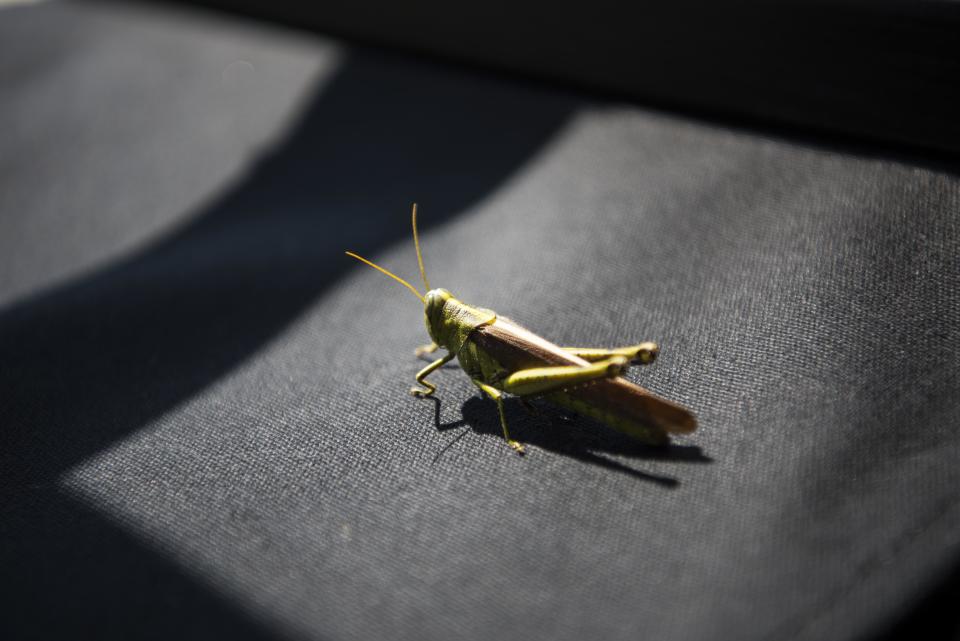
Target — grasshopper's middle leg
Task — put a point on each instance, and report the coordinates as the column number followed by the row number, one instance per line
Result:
column 642, row 354
column 423, row 350
column 429, row 388
column 497, row 396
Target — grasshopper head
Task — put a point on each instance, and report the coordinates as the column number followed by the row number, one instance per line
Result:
column 449, row 321
column 433, row 304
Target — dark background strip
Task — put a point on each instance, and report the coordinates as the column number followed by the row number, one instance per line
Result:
column 885, row 71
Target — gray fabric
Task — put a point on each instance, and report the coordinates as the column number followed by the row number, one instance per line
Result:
column 205, row 422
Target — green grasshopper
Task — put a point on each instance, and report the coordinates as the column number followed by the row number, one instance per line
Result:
column 500, row 356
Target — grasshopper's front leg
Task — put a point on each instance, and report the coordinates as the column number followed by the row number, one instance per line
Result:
column 423, row 350
column 642, row 354
column 429, row 388
column 497, row 396
column 542, row 380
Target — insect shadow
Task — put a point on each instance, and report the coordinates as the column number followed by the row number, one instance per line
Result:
column 575, row 436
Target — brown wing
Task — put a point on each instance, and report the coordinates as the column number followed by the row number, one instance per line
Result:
column 517, row 348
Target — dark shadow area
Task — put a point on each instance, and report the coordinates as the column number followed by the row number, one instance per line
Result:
column 882, row 71
column 933, row 618
column 89, row 362
column 68, row 573
column 574, row 436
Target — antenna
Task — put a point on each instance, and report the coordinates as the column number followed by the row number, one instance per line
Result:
column 416, row 243
column 390, row 274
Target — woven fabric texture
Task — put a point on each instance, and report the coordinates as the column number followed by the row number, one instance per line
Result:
column 205, row 429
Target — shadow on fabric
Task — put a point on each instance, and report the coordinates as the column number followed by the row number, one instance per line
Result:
column 577, row 437
column 92, row 361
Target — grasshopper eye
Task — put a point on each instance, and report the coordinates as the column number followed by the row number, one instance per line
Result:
column 434, row 302
column 435, row 299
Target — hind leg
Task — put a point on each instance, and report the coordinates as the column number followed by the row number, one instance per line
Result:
column 642, row 354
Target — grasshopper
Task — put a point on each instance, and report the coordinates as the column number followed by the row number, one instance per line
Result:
column 501, row 357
